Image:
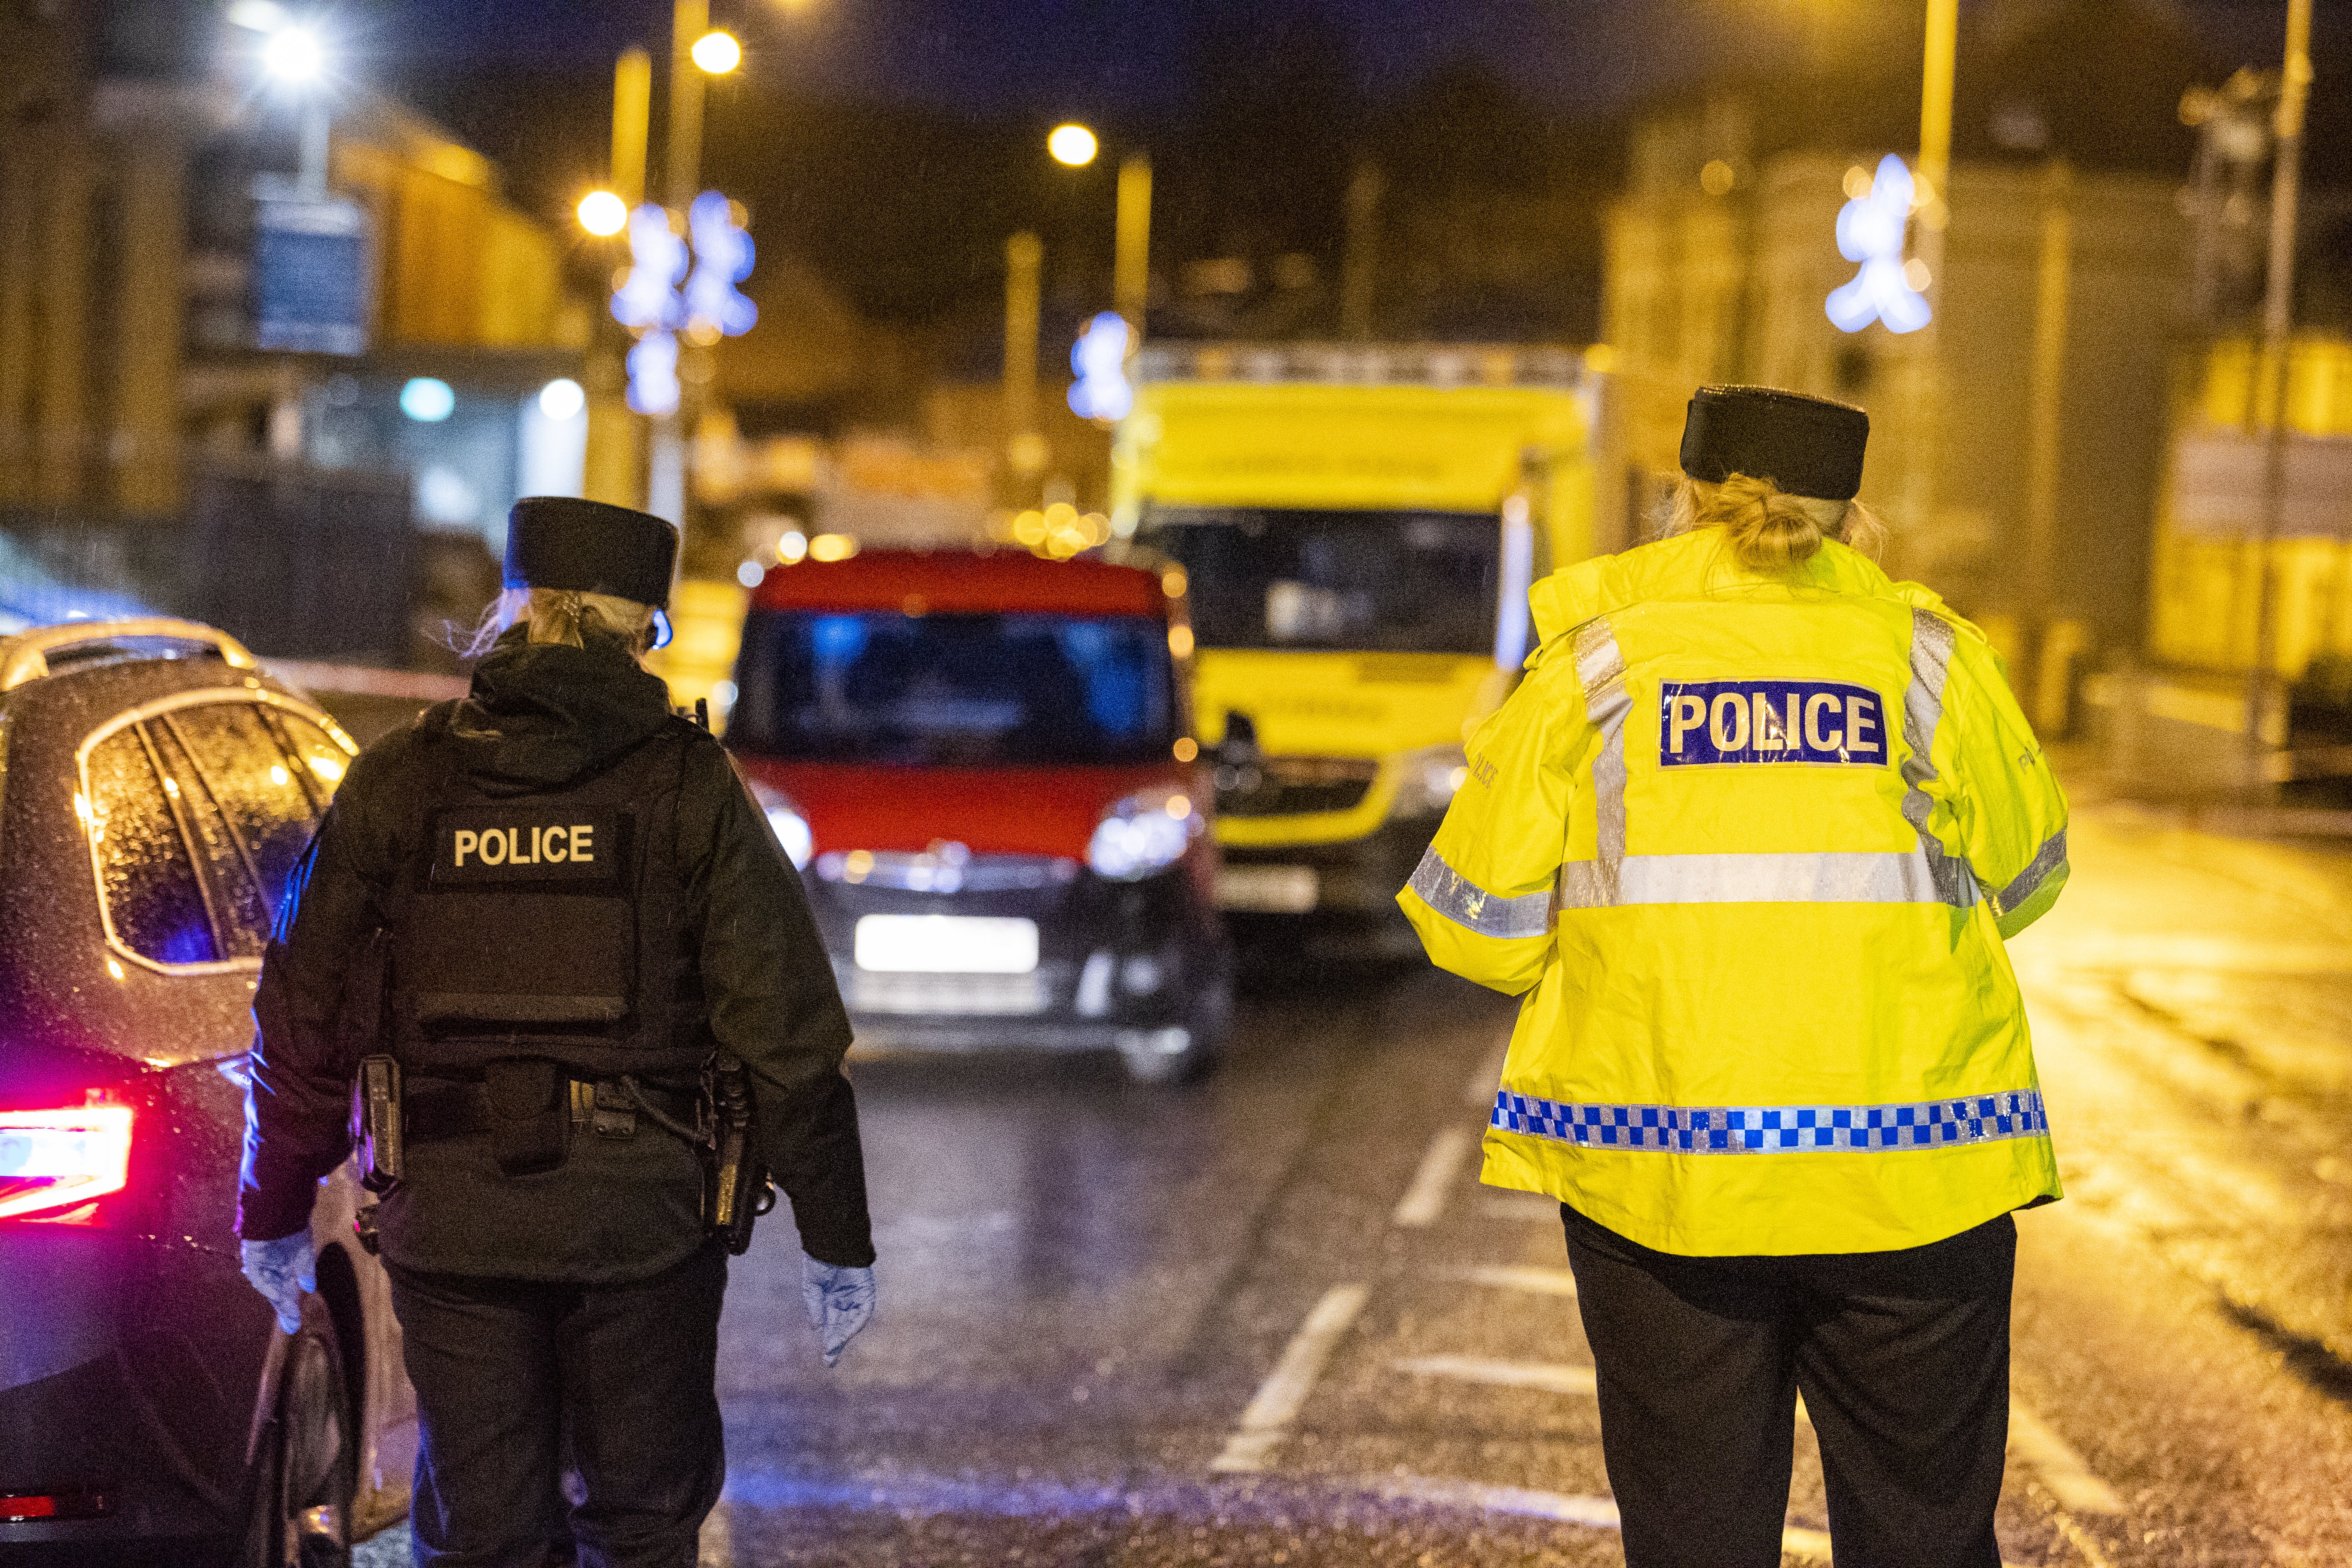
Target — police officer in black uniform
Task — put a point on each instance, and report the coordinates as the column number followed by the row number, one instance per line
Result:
column 570, row 924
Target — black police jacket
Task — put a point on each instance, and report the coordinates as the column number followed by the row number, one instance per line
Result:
column 541, row 717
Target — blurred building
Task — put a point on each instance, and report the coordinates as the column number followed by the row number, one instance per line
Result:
column 1730, row 286
column 2068, row 248
column 277, row 405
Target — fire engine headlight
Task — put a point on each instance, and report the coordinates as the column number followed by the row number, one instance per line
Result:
column 1427, row 780
column 788, row 822
column 1145, row 833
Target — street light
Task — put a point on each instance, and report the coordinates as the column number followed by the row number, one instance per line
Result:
column 293, row 55
column 716, row 52
column 603, row 214
column 1072, row 144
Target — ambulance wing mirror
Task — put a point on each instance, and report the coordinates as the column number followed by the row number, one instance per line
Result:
column 1237, row 756
column 1240, row 744
column 1239, row 748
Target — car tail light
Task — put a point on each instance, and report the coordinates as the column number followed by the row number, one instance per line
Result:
column 15, row 1508
column 56, row 1159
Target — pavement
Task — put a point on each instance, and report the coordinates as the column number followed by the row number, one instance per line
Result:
column 1273, row 1319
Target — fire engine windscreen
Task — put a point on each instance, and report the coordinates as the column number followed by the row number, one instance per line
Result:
column 1404, row 581
column 954, row 689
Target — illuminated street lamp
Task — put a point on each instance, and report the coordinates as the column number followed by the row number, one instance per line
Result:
column 294, row 55
column 295, row 59
column 1075, row 146
column 603, row 214
column 716, row 52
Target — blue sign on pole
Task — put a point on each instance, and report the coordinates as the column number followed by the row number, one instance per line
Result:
column 311, row 279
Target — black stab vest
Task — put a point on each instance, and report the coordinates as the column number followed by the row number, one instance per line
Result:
column 550, row 926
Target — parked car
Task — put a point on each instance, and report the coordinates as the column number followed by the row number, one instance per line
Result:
column 985, row 767
column 156, row 788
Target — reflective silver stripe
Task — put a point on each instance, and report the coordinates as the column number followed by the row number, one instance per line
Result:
column 1601, row 667
column 1927, row 876
column 1901, row 877
column 2051, row 855
column 1922, row 710
column 1465, row 903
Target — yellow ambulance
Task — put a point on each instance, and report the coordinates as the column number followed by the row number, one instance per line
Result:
column 1358, row 525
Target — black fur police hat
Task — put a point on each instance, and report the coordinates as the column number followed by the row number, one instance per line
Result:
column 558, row 542
column 1807, row 445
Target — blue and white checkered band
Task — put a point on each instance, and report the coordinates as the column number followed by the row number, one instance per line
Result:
column 1775, row 1128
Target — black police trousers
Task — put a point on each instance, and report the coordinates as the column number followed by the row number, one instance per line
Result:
column 1902, row 1357
column 518, row 1381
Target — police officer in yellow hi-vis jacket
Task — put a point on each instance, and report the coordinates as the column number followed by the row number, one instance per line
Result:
column 1747, row 841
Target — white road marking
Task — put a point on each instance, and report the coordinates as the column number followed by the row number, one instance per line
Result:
column 1594, row 1512
column 716, row 1546
column 1547, row 1376
column 1813, row 1545
column 1532, row 1281
column 1267, row 1418
column 2061, row 1468
column 1441, row 1166
column 1599, row 1512
column 1480, row 1091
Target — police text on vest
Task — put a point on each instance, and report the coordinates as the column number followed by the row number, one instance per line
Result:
column 1701, row 722
column 506, row 845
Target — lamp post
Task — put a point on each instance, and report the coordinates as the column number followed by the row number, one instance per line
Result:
column 1025, row 450
column 1935, row 177
column 696, row 50
column 1074, row 146
column 296, row 58
column 2278, row 327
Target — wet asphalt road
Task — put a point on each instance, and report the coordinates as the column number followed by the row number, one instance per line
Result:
column 1273, row 1318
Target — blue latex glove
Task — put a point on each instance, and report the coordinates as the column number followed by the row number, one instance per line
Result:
column 840, row 1301
column 282, row 1270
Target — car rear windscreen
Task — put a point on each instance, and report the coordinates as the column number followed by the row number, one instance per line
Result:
column 1406, row 582
column 954, row 690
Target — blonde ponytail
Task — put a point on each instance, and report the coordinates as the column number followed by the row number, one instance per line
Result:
column 563, row 616
column 1767, row 530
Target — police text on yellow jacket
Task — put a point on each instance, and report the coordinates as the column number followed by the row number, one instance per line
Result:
column 1750, row 848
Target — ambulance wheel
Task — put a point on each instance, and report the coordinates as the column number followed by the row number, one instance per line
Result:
column 308, row 1471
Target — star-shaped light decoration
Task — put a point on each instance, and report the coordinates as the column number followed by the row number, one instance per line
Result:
column 1099, row 358
column 1870, row 231
column 722, row 258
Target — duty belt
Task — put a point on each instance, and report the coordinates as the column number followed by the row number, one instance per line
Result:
column 447, row 1107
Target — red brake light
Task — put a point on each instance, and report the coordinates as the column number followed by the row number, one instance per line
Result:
column 17, row 1507
column 55, row 1158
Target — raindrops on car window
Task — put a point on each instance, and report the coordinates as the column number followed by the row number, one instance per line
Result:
column 146, row 878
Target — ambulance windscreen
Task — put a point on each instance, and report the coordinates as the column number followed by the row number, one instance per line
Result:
column 954, row 690
column 1404, row 581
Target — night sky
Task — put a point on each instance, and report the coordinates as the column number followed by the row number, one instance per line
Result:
column 1047, row 56
column 891, row 145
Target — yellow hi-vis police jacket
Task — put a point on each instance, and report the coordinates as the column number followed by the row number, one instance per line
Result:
column 1750, row 848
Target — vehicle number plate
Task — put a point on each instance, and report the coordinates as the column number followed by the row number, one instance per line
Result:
column 947, row 944
column 1269, row 890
